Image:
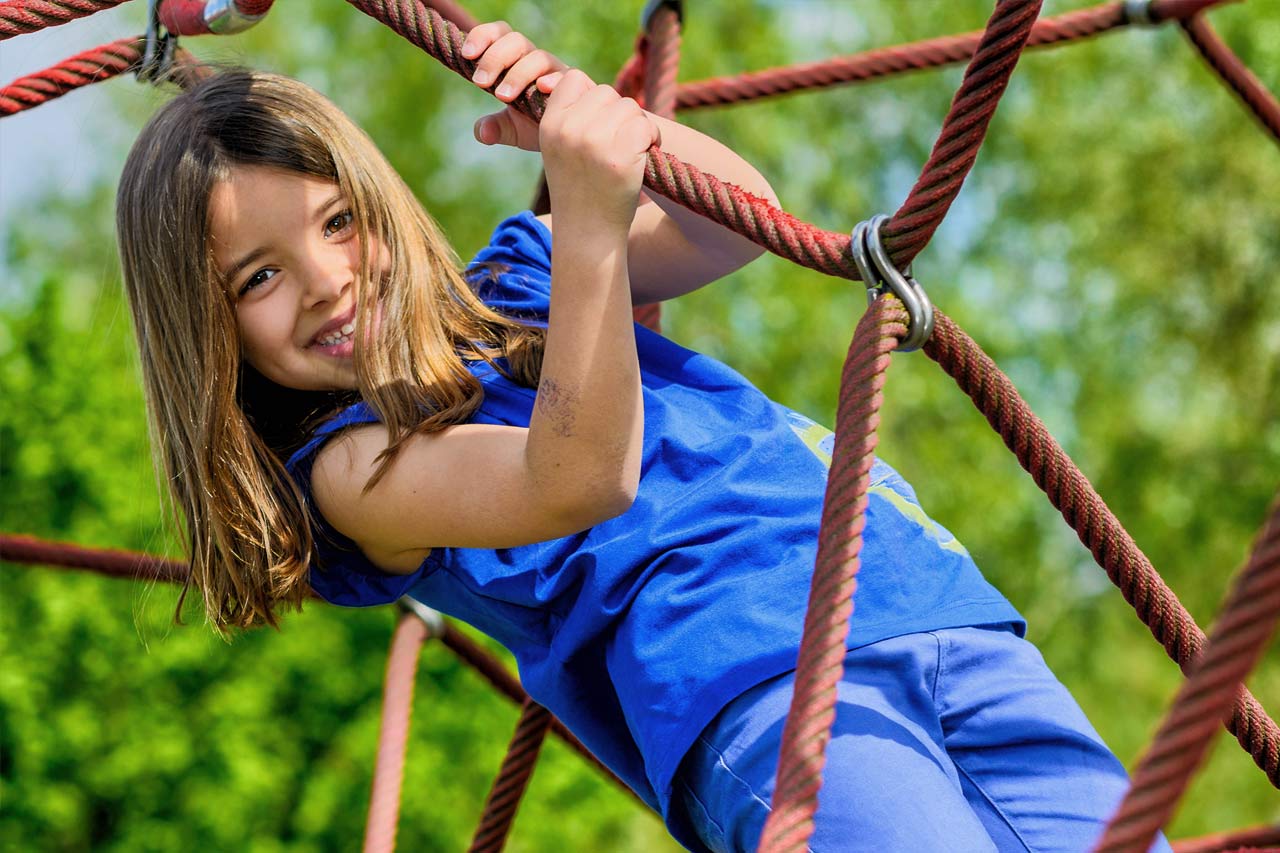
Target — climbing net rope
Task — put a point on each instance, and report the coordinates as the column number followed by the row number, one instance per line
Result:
column 1215, row 666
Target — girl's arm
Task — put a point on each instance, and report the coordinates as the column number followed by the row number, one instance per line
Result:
column 578, row 463
column 672, row 250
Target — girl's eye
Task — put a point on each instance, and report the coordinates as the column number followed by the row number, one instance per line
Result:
column 337, row 223
column 259, row 278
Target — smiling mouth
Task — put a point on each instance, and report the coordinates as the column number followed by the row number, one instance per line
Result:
column 341, row 336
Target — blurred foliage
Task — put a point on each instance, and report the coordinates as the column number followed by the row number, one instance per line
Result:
column 1113, row 250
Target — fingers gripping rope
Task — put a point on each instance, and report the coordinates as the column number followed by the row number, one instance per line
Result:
column 753, row 217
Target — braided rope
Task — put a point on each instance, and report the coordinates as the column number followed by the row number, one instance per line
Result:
column 1254, row 837
column 660, row 67
column 915, row 56
column 133, row 565
column 18, row 17
column 91, row 66
column 1112, row 547
column 1232, row 650
column 513, row 777
column 397, row 707
column 1234, row 74
column 826, row 624
column 909, row 229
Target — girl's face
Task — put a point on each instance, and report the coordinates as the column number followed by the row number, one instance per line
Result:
column 287, row 247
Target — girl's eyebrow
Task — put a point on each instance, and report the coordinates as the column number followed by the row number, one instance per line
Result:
column 235, row 269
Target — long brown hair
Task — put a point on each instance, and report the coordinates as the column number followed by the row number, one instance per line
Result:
column 219, row 430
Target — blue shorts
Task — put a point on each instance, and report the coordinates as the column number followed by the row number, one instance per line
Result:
column 950, row 741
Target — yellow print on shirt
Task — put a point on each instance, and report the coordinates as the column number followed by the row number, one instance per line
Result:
column 822, row 442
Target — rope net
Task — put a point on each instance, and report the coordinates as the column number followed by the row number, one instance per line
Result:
column 1216, row 666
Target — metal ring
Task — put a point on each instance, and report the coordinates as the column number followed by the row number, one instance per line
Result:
column 1139, row 13
column 881, row 276
column 158, row 51
column 224, row 17
column 431, row 618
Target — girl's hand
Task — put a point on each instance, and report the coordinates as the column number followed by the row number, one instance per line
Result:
column 594, row 148
column 499, row 49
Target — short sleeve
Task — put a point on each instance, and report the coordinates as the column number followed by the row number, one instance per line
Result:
column 340, row 573
column 512, row 274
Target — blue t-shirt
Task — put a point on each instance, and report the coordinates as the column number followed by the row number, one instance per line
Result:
column 636, row 632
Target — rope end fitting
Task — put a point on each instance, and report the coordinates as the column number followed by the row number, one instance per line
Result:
column 651, row 8
column 431, row 618
column 159, row 48
column 1140, row 13
column 882, row 277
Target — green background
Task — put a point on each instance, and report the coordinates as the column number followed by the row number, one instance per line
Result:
column 1115, row 250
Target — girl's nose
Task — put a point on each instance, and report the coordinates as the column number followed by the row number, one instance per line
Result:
column 327, row 279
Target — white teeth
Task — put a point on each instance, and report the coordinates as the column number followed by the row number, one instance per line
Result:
column 341, row 336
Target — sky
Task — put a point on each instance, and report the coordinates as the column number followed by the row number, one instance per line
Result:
column 57, row 146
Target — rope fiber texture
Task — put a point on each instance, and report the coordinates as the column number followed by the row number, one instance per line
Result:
column 513, row 777
column 1112, row 547
column 91, row 66
column 826, row 624
column 753, row 217
column 916, row 56
column 1242, row 630
column 659, row 48
column 1234, row 74
column 133, row 565
column 18, row 17
column 393, row 735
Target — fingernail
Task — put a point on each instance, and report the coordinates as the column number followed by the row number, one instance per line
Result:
column 481, row 78
column 503, row 91
column 467, row 49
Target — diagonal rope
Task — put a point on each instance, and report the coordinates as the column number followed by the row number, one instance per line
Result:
column 133, row 565
column 513, row 777
column 18, row 17
column 91, row 66
column 1112, row 547
column 752, row 216
column 1234, row 74
column 1233, row 649
column 916, row 56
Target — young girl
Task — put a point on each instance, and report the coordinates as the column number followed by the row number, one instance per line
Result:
column 338, row 407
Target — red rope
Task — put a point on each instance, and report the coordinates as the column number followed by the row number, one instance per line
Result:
column 397, row 707
column 133, row 565
column 1232, row 650
column 1234, row 74
column 99, row 63
column 512, row 779
column 750, row 215
column 26, row 16
column 1113, row 548
column 908, row 231
column 931, row 53
column 1268, row 836
column 661, row 66
column 91, row 66
column 826, row 624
